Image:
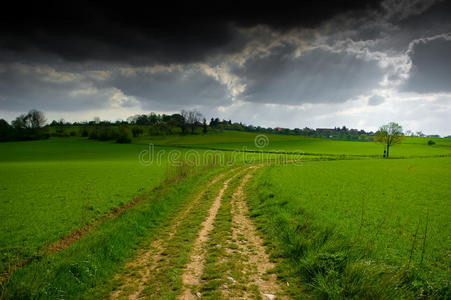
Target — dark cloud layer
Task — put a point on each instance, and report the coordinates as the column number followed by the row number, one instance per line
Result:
column 431, row 66
column 124, row 32
column 170, row 89
column 331, row 61
column 23, row 87
column 316, row 76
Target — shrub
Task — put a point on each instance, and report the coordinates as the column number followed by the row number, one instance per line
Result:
column 84, row 132
column 93, row 134
column 137, row 131
column 106, row 134
column 124, row 135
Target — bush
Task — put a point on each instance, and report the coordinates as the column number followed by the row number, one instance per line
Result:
column 106, row 134
column 93, row 134
column 124, row 135
column 84, row 132
column 137, row 131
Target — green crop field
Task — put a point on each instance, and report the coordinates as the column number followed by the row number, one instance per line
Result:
column 338, row 220
column 50, row 188
column 411, row 146
column 373, row 213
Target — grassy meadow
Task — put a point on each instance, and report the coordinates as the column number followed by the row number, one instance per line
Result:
column 342, row 222
column 411, row 146
column 333, row 220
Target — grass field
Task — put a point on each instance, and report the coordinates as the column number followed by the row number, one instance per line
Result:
column 50, row 188
column 342, row 214
column 411, row 146
column 337, row 225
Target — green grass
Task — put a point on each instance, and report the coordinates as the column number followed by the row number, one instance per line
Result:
column 358, row 228
column 411, row 146
column 81, row 269
column 50, row 188
column 53, row 187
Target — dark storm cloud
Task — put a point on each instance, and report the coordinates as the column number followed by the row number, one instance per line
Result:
column 230, row 61
column 168, row 89
column 23, row 87
column 431, row 66
column 127, row 33
column 316, row 76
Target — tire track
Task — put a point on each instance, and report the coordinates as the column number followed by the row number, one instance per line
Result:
column 140, row 269
column 250, row 248
column 194, row 269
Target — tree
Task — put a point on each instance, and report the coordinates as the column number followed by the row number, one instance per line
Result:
column 204, row 126
column 37, row 119
column 389, row 135
column 420, row 134
column 192, row 118
column 177, row 120
column 21, row 122
column 6, row 131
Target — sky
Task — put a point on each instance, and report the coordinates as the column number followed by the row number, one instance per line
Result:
column 359, row 64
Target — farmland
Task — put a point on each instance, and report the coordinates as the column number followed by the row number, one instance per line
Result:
column 396, row 216
column 78, row 217
column 412, row 146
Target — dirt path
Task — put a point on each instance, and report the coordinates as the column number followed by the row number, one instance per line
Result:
column 194, row 269
column 250, row 249
column 243, row 252
column 139, row 271
column 151, row 274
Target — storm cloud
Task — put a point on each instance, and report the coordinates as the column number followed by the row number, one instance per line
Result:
column 431, row 65
column 315, row 76
column 325, row 63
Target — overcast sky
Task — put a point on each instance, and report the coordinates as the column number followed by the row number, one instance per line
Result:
column 317, row 64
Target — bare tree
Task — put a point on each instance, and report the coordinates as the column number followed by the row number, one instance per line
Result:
column 20, row 122
column 35, row 119
column 389, row 135
column 192, row 118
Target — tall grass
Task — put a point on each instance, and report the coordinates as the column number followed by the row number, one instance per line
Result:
column 319, row 260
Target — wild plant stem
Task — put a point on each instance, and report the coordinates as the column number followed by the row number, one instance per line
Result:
column 424, row 237
column 413, row 243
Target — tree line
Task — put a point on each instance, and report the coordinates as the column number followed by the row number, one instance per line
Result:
column 33, row 125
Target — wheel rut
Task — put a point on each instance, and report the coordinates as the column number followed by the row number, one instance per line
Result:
column 139, row 271
column 194, row 269
column 243, row 251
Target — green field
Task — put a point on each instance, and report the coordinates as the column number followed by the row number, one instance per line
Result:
column 342, row 222
column 50, row 188
column 392, row 213
column 411, row 146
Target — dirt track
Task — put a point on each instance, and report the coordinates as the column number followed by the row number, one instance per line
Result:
column 248, row 252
